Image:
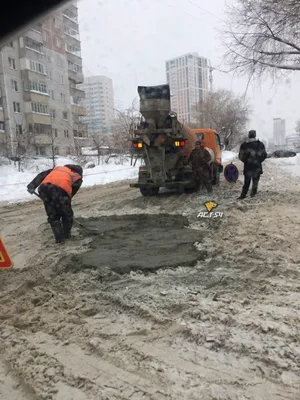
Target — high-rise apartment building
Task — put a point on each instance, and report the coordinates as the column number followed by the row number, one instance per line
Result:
column 279, row 131
column 99, row 103
column 41, row 105
column 188, row 77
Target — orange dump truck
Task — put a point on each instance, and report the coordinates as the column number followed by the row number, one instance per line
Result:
column 165, row 145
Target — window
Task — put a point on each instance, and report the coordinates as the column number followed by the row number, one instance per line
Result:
column 19, row 129
column 71, row 32
column 45, row 36
column 2, row 127
column 12, row 63
column 58, row 42
column 54, row 132
column 61, row 79
column 59, row 60
column 66, row 133
column 37, row 67
column 49, row 75
column 74, row 67
column 65, row 115
column 53, row 114
column 39, row 108
column 63, row 97
column 17, row 107
column 72, row 49
column 38, row 87
column 39, row 128
column 52, row 94
column 14, row 85
column 33, row 45
column 56, row 23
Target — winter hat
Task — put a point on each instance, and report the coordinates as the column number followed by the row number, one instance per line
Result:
column 252, row 134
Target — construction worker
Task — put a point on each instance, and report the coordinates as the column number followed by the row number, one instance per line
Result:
column 252, row 153
column 57, row 187
column 199, row 159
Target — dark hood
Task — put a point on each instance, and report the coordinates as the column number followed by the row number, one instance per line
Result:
column 75, row 168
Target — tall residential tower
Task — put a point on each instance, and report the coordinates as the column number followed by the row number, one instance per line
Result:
column 99, row 103
column 188, row 77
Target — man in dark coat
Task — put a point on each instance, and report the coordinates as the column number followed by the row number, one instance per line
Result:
column 252, row 153
column 199, row 159
column 57, row 187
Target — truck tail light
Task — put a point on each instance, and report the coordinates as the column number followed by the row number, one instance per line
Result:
column 179, row 143
column 138, row 145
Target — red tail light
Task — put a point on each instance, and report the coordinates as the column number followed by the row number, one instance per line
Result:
column 182, row 143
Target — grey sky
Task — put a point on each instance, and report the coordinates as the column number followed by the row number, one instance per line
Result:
column 129, row 41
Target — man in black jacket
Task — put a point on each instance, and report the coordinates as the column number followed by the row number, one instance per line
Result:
column 57, row 187
column 252, row 153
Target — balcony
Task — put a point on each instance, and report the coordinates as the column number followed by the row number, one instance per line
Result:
column 79, row 110
column 72, row 33
column 34, row 118
column 71, row 13
column 43, row 139
column 36, row 97
column 76, row 93
column 77, row 77
column 83, row 141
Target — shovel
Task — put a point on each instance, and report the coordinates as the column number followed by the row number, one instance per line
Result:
column 91, row 230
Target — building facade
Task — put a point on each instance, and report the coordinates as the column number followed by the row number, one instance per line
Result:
column 279, row 131
column 41, row 105
column 293, row 141
column 99, row 103
column 188, row 78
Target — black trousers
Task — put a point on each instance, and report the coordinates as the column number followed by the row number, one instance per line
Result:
column 58, row 206
column 201, row 176
column 251, row 175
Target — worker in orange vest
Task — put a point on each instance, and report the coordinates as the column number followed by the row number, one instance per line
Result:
column 57, row 187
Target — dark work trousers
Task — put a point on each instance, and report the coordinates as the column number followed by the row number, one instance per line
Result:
column 201, row 176
column 59, row 210
column 250, row 175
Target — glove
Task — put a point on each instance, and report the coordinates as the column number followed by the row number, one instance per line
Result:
column 30, row 189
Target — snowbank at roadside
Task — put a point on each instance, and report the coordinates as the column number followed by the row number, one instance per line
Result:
column 13, row 183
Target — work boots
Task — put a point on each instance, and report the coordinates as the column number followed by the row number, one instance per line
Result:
column 58, row 232
column 67, row 229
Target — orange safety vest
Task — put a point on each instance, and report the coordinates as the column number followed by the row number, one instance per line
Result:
column 62, row 177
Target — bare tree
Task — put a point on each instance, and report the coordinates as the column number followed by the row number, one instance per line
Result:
column 225, row 112
column 99, row 141
column 298, row 126
column 262, row 36
column 123, row 128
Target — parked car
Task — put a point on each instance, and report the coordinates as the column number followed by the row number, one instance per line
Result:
column 283, row 154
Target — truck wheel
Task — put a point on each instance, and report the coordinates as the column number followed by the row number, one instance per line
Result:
column 146, row 191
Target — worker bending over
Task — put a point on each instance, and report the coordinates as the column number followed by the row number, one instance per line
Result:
column 57, row 187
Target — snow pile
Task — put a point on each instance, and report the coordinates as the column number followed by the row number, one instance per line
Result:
column 291, row 165
column 13, row 183
column 228, row 156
